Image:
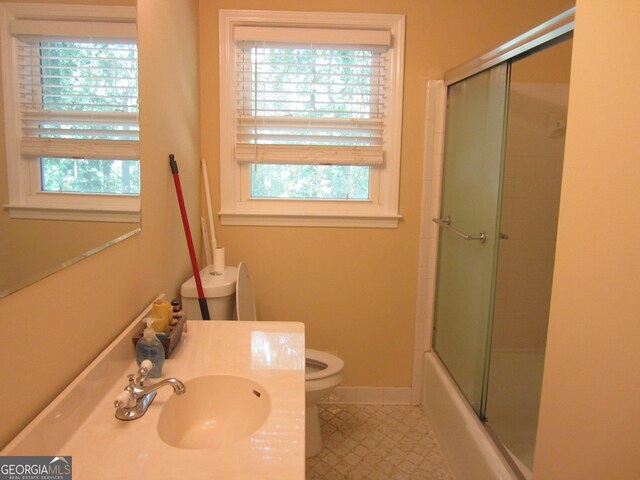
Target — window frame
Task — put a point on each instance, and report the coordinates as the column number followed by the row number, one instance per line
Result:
column 26, row 198
column 237, row 207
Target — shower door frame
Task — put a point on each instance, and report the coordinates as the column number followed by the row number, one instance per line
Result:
column 541, row 36
column 472, row 264
column 553, row 31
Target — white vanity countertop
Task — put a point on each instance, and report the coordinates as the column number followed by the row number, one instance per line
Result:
column 102, row 447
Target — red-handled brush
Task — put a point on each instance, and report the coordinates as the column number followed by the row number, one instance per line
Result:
column 204, row 309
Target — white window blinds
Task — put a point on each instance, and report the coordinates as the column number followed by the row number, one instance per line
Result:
column 310, row 96
column 78, row 94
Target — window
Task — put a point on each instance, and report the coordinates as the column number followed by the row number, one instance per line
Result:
column 71, row 96
column 310, row 118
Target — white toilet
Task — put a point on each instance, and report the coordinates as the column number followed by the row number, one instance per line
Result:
column 219, row 290
column 323, row 371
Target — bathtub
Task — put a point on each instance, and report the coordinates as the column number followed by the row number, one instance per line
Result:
column 468, row 447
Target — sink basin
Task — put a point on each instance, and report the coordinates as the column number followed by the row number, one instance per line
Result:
column 214, row 410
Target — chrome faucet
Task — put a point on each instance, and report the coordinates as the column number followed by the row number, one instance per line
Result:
column 134, row 401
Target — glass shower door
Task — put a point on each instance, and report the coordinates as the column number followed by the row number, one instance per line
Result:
column 469, row 226
column 538, row 104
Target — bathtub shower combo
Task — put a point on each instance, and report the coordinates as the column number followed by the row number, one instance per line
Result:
column 504, row 126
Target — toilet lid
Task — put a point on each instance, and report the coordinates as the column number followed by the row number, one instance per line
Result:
column 245, row 300
column 334, row 365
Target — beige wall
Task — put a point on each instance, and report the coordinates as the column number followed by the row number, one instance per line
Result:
column 53, row 329
column 355, row 289
column 589, row 419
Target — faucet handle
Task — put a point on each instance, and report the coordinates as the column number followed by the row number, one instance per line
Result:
column 143, row 371
column 124, row 400
column 145, row 366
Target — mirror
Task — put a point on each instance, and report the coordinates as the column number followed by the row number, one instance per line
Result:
column 32, row 248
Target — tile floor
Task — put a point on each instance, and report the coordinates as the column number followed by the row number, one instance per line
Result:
column 377, row 442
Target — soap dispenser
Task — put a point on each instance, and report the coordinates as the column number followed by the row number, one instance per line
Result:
column 150, row 348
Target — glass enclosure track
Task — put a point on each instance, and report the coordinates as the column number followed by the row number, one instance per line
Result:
column 541, row 35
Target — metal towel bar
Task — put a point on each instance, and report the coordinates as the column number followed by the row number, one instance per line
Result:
column 446, row 223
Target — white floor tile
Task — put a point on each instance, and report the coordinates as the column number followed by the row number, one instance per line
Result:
column 386, row 442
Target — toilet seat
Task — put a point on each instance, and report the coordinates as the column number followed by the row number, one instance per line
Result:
column 332, row 364
column 245, row 299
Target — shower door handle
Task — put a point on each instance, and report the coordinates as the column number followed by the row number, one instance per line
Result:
column 446, row 223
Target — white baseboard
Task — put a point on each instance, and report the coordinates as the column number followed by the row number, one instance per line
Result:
column 370, row 395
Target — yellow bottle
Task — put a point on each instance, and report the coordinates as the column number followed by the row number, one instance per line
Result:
column 161, row 315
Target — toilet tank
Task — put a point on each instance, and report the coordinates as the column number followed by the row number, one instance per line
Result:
column 219, row 290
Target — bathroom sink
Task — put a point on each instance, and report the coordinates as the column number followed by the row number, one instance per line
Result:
column 215, row 410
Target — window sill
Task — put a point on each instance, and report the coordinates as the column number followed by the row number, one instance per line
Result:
column 306, row 220
column 86, row 215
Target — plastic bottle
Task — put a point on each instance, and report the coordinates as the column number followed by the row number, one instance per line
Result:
column 150, row 348
column 161, row 316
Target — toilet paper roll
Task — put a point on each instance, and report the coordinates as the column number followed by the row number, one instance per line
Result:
column 218, row 261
